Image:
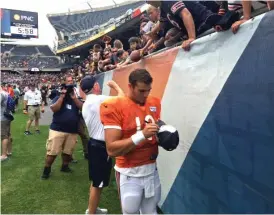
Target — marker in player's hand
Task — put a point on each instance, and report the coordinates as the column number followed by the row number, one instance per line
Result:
column 150, row 129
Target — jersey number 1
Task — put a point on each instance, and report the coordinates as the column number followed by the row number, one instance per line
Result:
column 147, row 119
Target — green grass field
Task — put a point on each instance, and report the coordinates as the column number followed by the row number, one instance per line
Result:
column 22, row 190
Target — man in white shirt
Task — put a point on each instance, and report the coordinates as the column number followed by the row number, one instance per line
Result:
column 100, row 164
column 82, row 127
column 33, row 99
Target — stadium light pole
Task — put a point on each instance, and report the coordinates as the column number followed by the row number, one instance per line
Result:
column 89, row 5
column 114, row 2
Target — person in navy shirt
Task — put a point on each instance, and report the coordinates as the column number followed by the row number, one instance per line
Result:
column 63, row 129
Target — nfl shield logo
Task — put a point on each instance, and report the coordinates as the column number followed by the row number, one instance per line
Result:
column 152, row 109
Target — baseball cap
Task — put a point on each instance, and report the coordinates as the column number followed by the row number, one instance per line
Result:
column 87, row 83
column 168, row 136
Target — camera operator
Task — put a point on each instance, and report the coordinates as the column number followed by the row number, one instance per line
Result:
column 64, row 127
column 81, row 124
column 53, row 92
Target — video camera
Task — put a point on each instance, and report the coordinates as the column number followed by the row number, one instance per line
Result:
column 69, row 88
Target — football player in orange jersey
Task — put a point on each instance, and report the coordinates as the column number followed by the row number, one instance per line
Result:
column 130, row 135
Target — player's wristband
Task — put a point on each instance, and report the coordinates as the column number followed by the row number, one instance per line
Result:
column 138, row 137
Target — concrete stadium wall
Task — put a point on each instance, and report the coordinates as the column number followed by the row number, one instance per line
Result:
column 220, row 96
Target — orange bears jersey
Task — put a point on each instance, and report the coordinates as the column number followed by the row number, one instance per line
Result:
column 123, row 113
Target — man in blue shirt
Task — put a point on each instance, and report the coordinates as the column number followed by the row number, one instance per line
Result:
column 63, row 129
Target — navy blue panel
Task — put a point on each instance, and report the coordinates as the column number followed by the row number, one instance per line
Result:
column 100, row 80
column 230, row 166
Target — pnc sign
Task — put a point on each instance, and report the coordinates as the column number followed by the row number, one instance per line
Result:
column 23, row 18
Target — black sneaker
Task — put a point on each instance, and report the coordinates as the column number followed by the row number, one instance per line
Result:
column 65, row 168
column 86, row 156
column 38, row 132
column 27, row 133
column 74, row 161
column 46, row 173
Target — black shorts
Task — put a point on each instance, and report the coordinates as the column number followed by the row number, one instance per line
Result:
column 100, row 164
column 16, row 101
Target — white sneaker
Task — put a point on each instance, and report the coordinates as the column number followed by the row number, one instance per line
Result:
column 3, row 158
column 99, row 211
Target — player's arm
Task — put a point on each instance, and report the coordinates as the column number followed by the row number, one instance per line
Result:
column 116, row 146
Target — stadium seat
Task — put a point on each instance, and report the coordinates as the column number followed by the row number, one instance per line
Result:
column 84, row 21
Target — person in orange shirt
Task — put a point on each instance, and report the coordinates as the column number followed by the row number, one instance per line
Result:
column 10, row 90
column 130, row 135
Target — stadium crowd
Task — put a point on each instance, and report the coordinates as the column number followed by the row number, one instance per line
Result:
column 24, row 79
column 164, row 25
column 29, row 62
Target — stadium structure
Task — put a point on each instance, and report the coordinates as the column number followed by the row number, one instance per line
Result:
column 209, row 99
column 77, row 32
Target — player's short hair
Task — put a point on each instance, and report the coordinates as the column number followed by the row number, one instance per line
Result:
column 140, row 75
